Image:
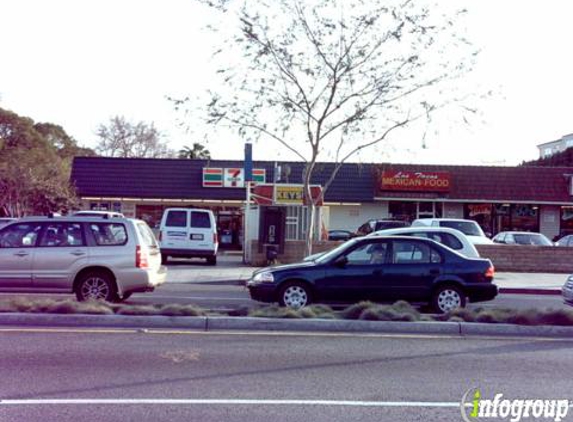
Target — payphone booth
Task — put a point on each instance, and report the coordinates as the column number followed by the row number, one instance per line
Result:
column 280, row 211
column 272, row 225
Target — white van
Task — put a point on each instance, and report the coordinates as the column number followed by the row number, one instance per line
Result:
column 188, row 232
column 470, row 228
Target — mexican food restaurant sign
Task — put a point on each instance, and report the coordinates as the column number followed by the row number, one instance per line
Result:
column 419, row 181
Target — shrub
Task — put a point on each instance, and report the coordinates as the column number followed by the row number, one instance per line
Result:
column 556, row 317
column 274, row 311
column 137, row 310
column 354, row 311
column 181, row 310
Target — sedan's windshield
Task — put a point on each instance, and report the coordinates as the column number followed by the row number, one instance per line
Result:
column 466, row 227
column 327, row 256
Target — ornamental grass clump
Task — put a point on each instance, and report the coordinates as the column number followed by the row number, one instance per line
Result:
column 137, row 310
column 317, row 311
column 354, row 311
column 52, row 306
column 274, row 311
column 556, row 317
column 181, row 310
column 399, row 311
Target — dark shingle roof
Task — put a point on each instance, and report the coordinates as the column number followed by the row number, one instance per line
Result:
column 536, row 184
column 182, row 179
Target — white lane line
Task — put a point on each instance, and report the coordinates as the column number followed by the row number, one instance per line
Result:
column 347, row 403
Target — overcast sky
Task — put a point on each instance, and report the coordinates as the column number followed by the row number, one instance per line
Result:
column 78, row 63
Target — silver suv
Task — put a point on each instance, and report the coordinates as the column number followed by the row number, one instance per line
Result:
column 93, row 257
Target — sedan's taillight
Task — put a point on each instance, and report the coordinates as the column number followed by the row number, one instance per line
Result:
column 490, row 272
column 141, row 258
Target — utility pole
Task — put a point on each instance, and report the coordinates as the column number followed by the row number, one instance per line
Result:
column 248, row 167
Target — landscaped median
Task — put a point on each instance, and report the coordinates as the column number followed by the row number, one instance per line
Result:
column 400, row 317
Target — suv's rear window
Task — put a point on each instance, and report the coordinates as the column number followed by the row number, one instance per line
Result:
column 200, row 220
column 176, row 219
column 109, row 234
column 146, row 234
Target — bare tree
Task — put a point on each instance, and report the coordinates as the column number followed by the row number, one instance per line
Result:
column 121, row 138
column 330, row 78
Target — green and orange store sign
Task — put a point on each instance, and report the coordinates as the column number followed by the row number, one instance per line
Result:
column 230, row 177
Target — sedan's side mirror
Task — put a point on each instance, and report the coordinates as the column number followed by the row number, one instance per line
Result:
column 341, row 261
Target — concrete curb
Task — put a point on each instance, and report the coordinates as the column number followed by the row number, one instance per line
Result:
column 289, row 325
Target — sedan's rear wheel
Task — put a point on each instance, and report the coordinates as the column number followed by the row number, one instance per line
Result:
column 295, row 295
column 447, row 298
column 96, row 286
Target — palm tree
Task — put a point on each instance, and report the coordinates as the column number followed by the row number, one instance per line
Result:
column 198, row 152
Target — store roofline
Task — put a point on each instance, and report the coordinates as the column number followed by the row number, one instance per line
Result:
column 475, row 201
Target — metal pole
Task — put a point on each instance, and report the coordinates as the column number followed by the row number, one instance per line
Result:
column 248, row 168
column 246, row 228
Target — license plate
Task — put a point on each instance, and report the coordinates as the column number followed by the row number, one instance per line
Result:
column 195, row 236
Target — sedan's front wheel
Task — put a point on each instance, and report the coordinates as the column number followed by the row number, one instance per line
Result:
column 295, row 295
column 447, row 298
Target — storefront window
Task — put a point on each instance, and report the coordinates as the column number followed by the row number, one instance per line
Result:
column 482, row 214
column 525, row 218
column 429, row 210
column 409, row 211
column 566, row 221
column 402, row 210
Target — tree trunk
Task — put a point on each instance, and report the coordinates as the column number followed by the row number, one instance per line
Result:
column 312, row 207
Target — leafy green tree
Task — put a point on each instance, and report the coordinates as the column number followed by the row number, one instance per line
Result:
column 198, row 152
column 34, row 169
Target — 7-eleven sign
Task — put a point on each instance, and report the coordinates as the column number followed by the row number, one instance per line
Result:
column 234, row 178
column 230, row 177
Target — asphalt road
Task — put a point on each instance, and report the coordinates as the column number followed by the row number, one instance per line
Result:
column 225, row 297
column 232, row 297
column 266, row 376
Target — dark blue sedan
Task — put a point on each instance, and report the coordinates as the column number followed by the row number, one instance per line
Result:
column 381, row 269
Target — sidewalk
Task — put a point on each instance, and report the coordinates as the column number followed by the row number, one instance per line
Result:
column 530, row 283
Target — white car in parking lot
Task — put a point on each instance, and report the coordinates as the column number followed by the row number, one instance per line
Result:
column 470, row 228
column 452, row 238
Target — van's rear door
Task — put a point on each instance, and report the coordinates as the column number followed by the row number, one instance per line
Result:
column 175, row 230
column 202, row 234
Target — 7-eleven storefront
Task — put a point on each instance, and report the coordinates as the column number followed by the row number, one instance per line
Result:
column 228, row 212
